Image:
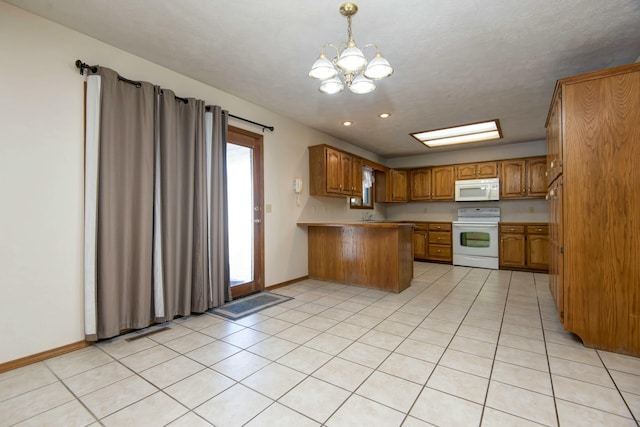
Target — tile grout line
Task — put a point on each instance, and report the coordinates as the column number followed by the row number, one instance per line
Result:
column 448, row 344
column 546, row 351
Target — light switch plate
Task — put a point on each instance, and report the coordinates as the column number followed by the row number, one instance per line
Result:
column 267, row 208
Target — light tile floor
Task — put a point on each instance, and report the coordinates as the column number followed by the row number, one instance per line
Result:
column 461, row 346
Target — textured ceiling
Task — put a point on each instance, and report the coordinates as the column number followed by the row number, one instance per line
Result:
column 455, row 61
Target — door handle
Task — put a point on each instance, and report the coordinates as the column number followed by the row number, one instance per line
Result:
column 257, row 221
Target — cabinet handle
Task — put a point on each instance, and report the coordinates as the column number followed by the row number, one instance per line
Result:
column 539, row 229
column 438, row 251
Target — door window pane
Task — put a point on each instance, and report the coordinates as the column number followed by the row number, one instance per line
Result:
column 240, row 199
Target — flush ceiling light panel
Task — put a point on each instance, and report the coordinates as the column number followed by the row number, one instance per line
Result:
column 462, row 134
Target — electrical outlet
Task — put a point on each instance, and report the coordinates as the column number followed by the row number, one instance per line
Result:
column 268, row 208
column 531, row 209
column 426, row 210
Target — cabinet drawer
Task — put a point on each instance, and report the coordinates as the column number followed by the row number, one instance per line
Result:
column 512, row 228
column 440, row 227
column 440, row 252
column 537, row 229
column 422, row 226
column 440, row 237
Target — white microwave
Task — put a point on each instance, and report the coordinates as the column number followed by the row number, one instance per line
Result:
column 475, row 190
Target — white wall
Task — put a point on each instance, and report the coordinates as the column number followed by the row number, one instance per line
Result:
column 41, row 177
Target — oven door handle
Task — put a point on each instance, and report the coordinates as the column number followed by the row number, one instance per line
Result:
column 477, row 225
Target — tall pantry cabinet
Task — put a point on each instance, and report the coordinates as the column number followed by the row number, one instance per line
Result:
column 593, row 172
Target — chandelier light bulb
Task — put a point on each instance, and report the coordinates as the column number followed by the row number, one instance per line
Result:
column 378, row 68
column 362, row 85
column 323, row 69
column 351, row 59
column 331, row 86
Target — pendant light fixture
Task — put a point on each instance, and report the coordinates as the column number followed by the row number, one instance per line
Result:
column 349, row 67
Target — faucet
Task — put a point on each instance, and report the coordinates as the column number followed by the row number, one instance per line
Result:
column 367, row 216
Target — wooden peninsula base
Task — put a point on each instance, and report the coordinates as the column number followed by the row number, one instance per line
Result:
column 376, row 255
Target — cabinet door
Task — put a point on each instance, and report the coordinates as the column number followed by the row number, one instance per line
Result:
column 333, row 171
column 420, row 184
column 420, row 244
column 513, row 179
column 399, row 185
column 512, row 250
column 346, row 172
column 356, row 176
column 442, row 183
column 536, row 179
column 554, row 140
column 538, row 251
column 487, row 170
column 466, row 171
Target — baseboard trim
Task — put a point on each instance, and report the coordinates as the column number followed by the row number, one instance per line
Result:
column 39, row 357
column 288, row 282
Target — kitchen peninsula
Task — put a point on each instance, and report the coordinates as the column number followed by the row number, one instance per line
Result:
column 372, row 254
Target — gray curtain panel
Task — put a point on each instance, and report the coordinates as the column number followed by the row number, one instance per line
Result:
column 125, row 206
column 161, row 241
column 218, row 238
column 183, row 214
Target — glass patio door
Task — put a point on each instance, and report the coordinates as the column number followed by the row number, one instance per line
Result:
column 245, row 196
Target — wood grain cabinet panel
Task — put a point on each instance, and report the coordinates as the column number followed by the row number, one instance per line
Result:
column 334, row 173
column 476, row 170
column 420, row 184
column 432, row 242
column 442, row 183
column 434, row 183
column 523, row 178
column 524, row 246
column 593, row 131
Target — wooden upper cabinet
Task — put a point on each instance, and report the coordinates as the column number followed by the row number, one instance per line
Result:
column 466, row 171
column 512, row 184
column 333, row 172
column 554, row 139
column 536, row 179
column 356, row 176
column 477, row 170
column 420, row 184
column 399, row 185
column 435, row 183
column 523, row 178
column 442, row 183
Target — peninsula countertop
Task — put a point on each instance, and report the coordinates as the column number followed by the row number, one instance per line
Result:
column 372, row 223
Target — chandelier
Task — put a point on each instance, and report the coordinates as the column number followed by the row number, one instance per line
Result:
column 349, row 67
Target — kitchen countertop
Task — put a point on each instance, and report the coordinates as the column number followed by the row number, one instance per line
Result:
column 373, row 223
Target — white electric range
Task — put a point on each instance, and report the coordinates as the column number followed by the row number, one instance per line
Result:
column 475, row 237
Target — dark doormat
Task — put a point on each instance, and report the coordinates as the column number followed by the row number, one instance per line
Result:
column 251, row 304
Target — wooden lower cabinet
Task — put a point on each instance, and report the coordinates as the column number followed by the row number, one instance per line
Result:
column 432, row 242
column 524, row 246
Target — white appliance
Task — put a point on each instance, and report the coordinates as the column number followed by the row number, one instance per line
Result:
column 474, row 190
column 475, row 237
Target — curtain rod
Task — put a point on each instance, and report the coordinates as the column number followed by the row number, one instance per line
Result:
column 271, row 128
column 94, row 69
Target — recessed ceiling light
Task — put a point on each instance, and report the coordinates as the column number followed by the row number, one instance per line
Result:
column 346, row 123
column 462, row 134
column 384, row 115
